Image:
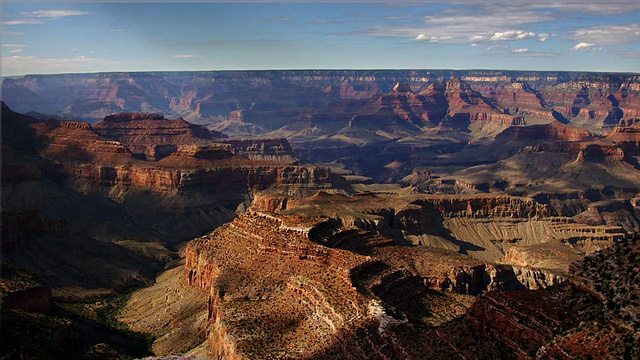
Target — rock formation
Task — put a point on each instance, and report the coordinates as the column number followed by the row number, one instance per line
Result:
column 349, row 115
column 597, row 101
column 92, row 165
column 312, row 250
column 87, row 216
column 332, row 259
column 593, row 315
column 151, row 136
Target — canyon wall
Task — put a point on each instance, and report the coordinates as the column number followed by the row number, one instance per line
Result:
column 597, row 100
column 364, row 267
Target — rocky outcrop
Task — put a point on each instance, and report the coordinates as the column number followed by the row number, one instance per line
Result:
column 598, row 102
column 77, row 141
column 474, row 280
column 550, row 132
column 520, row 98
column 298, row 279
column 276, row 150
column 592, row 315
column 270, row 259
column 21, row 291
column 151, row 136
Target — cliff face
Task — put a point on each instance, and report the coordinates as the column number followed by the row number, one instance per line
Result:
column 596, row 101
column 474, row 280
column 350, row 116
column 551, row 132
column 19, row 227
column 198, row 182
column 593, row 315
column 151, row 136
column 334, row 263
column 85, row 153
column 301, row 293
column 276, row 150
column 219, row 178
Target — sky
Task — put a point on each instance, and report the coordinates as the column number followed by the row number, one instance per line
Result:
column 48, row 37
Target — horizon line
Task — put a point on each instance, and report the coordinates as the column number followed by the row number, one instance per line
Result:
column 318, row 69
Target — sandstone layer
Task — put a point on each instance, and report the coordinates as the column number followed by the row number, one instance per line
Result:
column 330, row 265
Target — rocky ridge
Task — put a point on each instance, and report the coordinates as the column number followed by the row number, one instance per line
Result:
column 215, row 94
column 81, row 159
column 349, row 116
column 67, row 187
column 353, row 247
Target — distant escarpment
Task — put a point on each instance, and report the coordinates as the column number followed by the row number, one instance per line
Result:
column 153, row 168
column 403, row 119
column 152, row 137
column 553, row 131
column 599, row 99
column 276, row 150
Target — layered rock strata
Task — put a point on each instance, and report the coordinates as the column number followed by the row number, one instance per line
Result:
column 315, row 251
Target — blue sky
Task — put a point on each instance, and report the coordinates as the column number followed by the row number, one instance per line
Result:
column 51, row 37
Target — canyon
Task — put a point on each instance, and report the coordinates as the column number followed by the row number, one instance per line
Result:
column 321, row 214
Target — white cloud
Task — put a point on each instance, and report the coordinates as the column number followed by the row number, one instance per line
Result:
column 185, row 56
column 490, row 17
column 584, row 46
column 520, row 50
column 22, row 22
column 54, row 14
column 20, row 65
column 41, row 16
column 512, row 35
column 467, row 22
column 608, row 34
column 15, row 51
column 14, row 45
column 474, row 23
column 592, row 7
column 432, row 39
column 399, row 17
